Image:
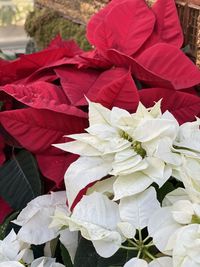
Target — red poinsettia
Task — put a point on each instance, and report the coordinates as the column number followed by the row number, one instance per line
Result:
column 135, row 46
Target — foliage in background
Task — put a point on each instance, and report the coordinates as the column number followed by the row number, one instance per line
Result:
column 44, row 24
column 14, row 11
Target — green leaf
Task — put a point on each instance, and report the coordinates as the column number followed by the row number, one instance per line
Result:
column 86, row 255
column 5, row 225
column 20, row 180
column 65, row 256
column 164, row 190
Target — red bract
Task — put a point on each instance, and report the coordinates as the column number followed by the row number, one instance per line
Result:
column 167, row 26
column 121, row 36
column 114, row 87
column 44, row 94
column 24, row 66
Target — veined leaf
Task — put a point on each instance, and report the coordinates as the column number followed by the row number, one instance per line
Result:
column 65, row 256
column 20, row 180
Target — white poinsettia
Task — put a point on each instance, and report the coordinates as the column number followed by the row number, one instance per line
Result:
column 187, row 144
column 159, row 262
column 138, row 209
column 11, row 264
column 97, row 218
column 133, row 147
column 188, row 139
column 166, row 222
column 13, row 249
column 108, row 224
column 189, row 174
column 36, row 217
column 186, row 250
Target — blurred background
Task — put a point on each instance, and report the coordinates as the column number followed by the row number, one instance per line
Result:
column 13, row 14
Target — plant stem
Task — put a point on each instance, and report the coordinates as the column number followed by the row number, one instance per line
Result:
column 128, row 248
column 148, row 254
column 140, row 235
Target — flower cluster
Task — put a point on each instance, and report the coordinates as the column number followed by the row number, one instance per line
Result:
column 114, row 128
column 125, row 161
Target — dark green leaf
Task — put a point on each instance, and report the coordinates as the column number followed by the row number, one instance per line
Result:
column 164, row 190
column 65, row 256
column 86, row 255
column 4, row 227
column 20, row 180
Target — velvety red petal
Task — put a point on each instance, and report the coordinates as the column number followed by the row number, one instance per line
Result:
column 129, row 35
column 120, row 92
column 37, row 130
column 43, row 95
column 54, row 166
column 170, row 64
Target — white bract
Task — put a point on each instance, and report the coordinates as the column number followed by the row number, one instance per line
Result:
column 187, row 143
column 13, row 249
column 36, row 217
column 136, row 148
column 108, row 224
column 187, row 247
column 159, row 262
column 166, row 222
column 11, row 264
column 97, row 218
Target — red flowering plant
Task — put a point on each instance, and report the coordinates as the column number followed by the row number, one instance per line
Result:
column 136, row 57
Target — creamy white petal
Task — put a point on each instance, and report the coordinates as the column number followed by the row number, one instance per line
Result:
column 82, row 172
column 36, row 217
column 97, row 209
column 175, row 195
column 162, row 228
column 107, row 249
column 156, row 170
column 97, row 218
column 128, row 185
column 104, row 186
column 119, row 116
column 164, row 152
column 182, row 211
column 11, row 264
column 139, row 208
column 154, row 128
column 127, row 229
column 103, row 131
column 189, row 136
column 162, row 262
column 80, row 148
column 187, row 246
column 135, row 262
column 98, row 114
column 128, row 165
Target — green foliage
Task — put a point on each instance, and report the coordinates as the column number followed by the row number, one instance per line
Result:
column 20, row 180
column 43, row 25
column 65, row 256
column 7, row 225
column 86, row 256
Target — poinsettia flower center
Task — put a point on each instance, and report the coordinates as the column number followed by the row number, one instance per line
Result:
column 22, row 262
column 136, row 145
column 195, row 219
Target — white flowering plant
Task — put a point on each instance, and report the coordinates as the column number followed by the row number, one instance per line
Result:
column 100, row 150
